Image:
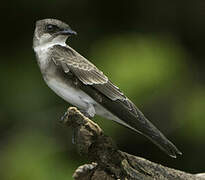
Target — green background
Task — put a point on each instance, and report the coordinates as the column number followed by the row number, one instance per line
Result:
column 152, row 50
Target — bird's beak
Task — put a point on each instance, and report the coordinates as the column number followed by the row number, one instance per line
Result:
column 67, row 32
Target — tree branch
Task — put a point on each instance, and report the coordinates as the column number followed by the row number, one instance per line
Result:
column 109, row 163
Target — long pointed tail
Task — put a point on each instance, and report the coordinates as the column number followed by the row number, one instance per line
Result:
column 142, row 125
column 151, row 132
column 129, row 115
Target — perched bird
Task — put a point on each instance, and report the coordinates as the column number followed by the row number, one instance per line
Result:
column 82, row 84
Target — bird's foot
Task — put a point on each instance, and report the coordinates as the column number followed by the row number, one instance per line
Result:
column 64, row 120
column 64, row 117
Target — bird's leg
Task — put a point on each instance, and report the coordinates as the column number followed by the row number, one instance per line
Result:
column 62, row 119
column 89, row 113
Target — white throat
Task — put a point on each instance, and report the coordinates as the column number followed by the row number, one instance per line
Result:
column 45, row 44
column 42, row 50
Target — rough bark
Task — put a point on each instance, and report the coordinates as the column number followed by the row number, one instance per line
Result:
column 109, row 163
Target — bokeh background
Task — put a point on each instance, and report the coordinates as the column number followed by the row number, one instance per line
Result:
column 153, row 50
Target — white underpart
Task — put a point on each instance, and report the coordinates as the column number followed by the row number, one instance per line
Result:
column 72, row 95
column 45, row 44
column 83, row 101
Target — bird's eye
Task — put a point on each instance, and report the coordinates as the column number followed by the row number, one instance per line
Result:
column 49, row 27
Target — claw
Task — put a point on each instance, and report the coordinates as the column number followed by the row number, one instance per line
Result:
column 63, row 118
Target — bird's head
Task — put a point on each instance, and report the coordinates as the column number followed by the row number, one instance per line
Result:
column 51, row 31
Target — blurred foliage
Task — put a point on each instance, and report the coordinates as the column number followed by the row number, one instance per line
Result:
column 33, row 156
column 190, row 113
column 141, row 64
column 154, row 52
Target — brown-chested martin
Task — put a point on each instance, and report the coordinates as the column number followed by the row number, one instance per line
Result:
column 82, row 84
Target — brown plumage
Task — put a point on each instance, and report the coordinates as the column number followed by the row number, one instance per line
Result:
column 93, row 92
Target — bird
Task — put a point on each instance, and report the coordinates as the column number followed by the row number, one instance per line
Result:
column 79, row 82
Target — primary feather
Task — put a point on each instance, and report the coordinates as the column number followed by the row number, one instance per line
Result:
column 114, row 100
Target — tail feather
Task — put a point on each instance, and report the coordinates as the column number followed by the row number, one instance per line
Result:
column 134, row 119
column 142, row 125
column 129, row 115
column 152, row 133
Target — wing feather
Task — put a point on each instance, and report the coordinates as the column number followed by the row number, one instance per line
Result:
column 114, row 100
column 85, row 71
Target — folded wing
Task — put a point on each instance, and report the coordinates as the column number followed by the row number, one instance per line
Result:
column 113, row 99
